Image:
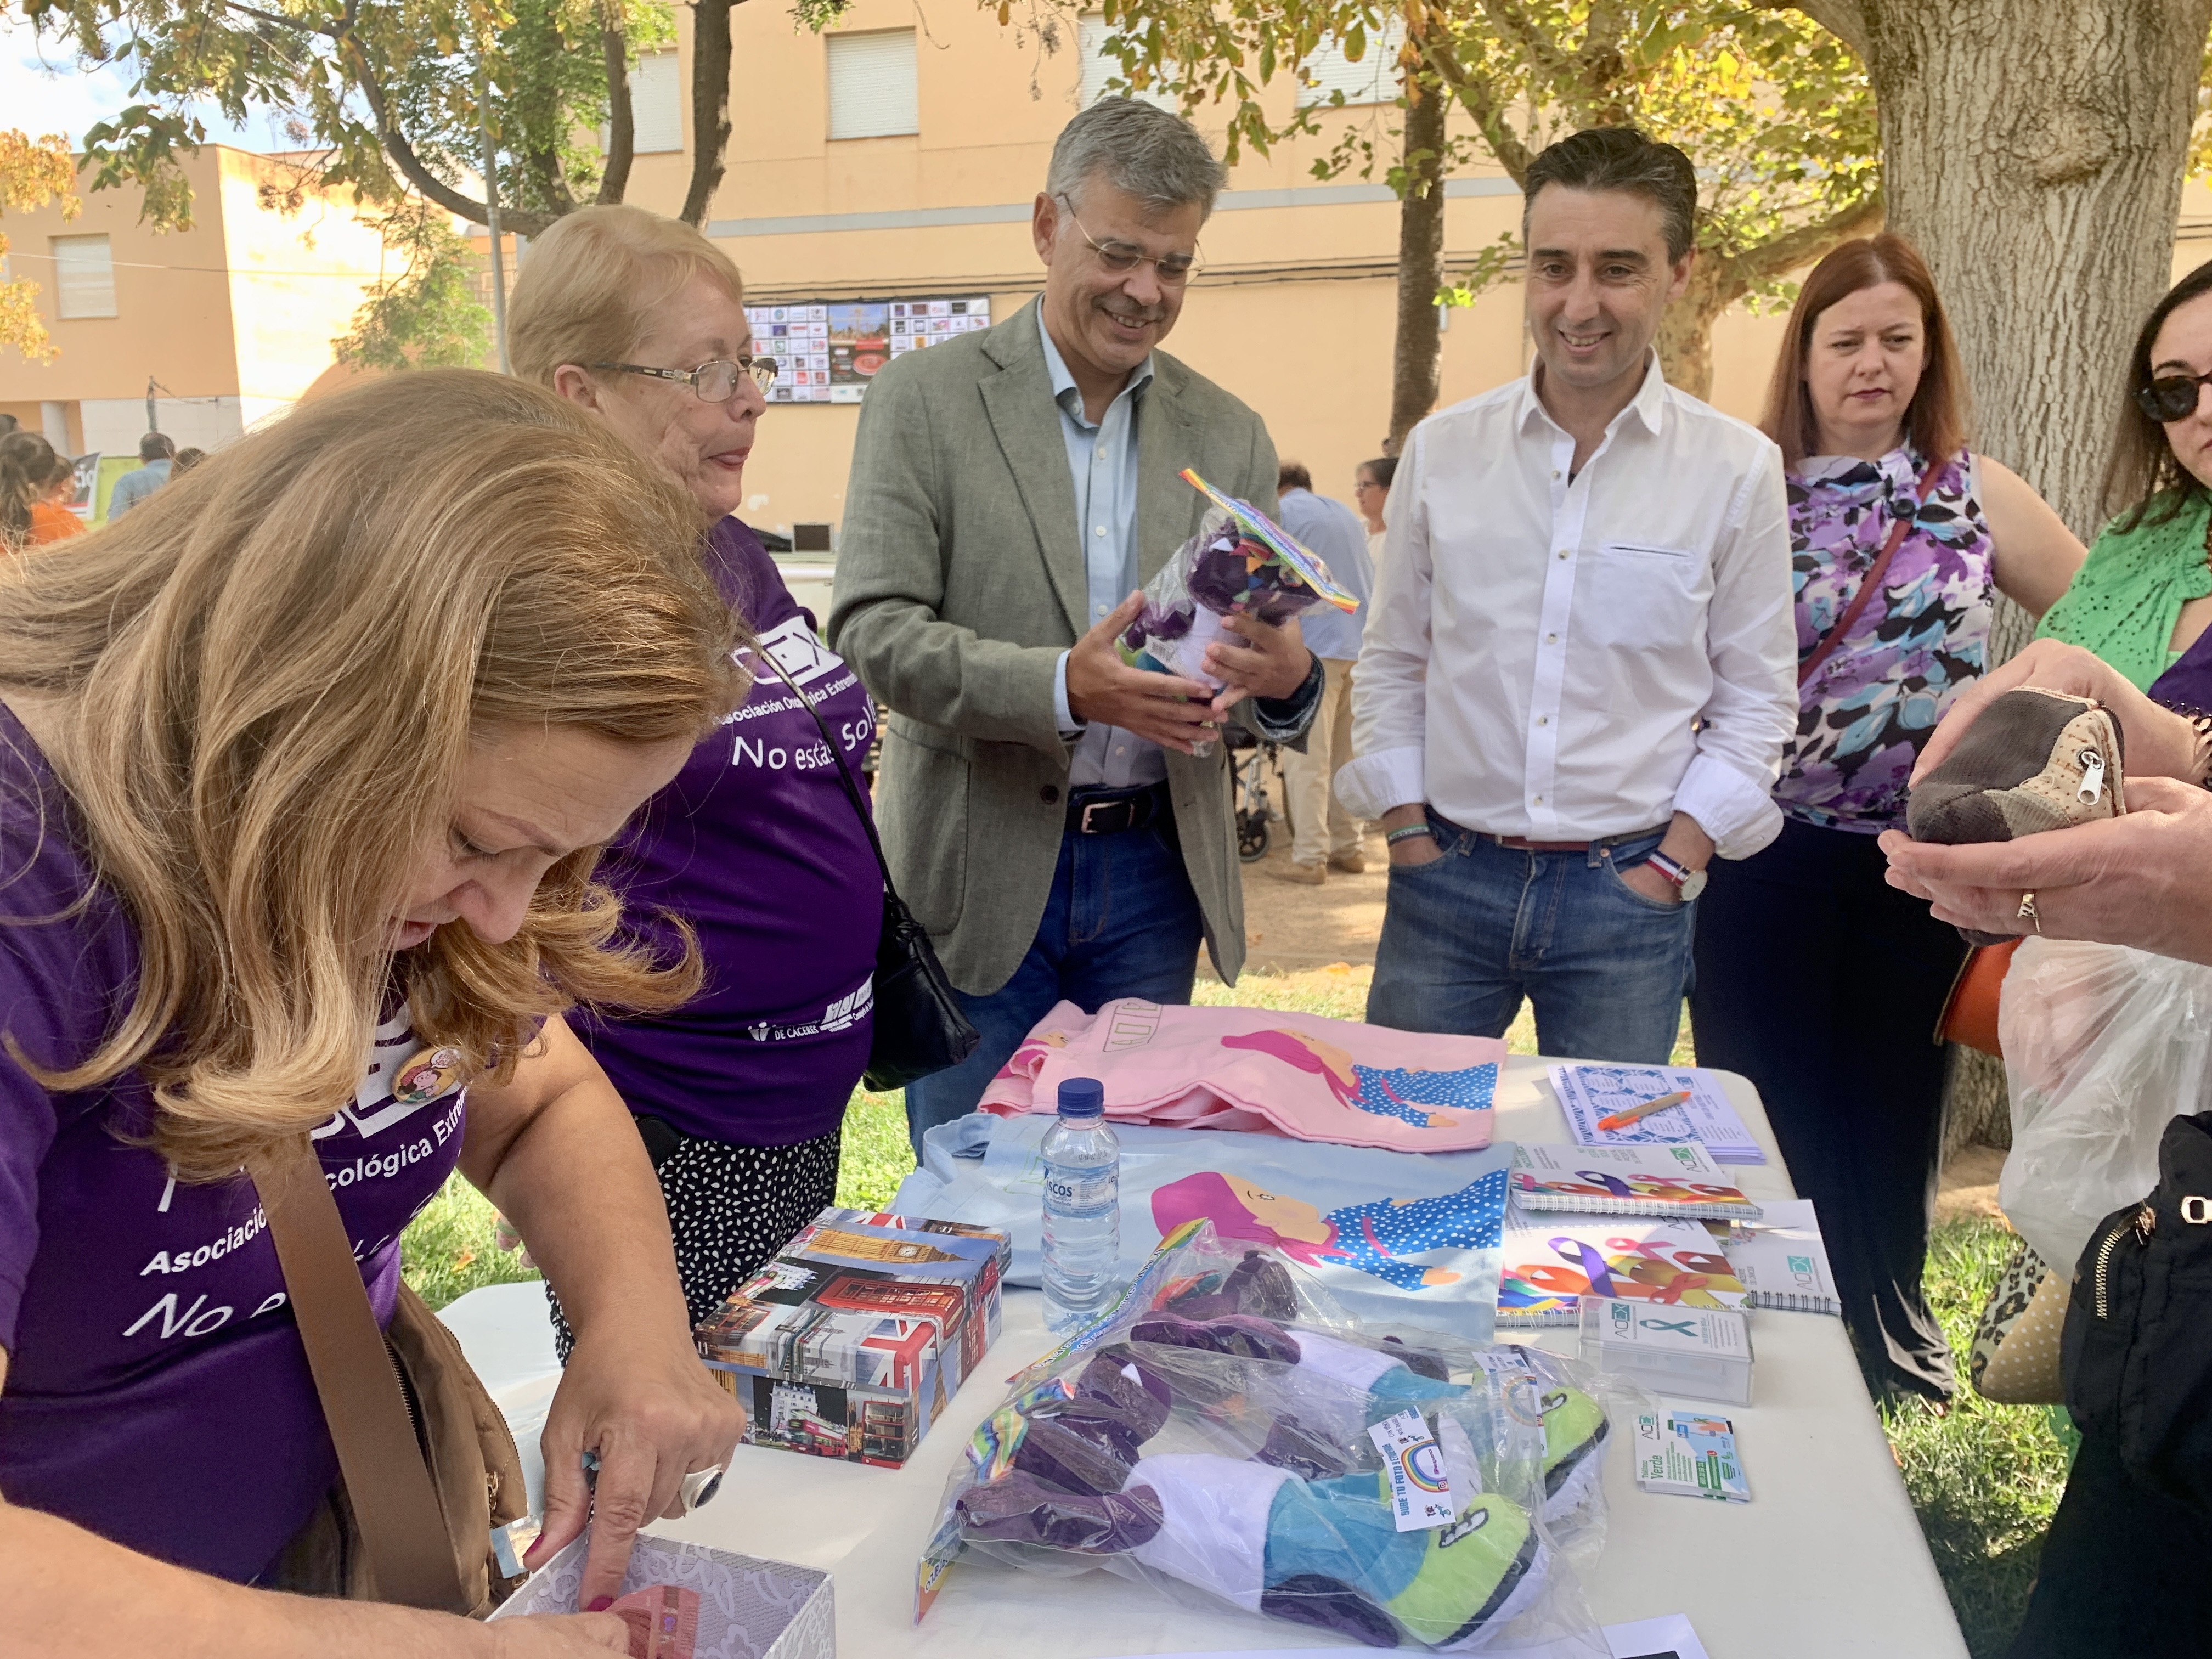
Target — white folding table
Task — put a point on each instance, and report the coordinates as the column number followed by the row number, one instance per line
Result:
column 1826, row 1562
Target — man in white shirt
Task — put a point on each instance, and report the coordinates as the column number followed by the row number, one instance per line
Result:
column 1325, row 836
column 1577, row 679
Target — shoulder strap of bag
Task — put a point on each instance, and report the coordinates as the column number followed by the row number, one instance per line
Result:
column 844, row 773
column 1870, row 584
column 410, row 1553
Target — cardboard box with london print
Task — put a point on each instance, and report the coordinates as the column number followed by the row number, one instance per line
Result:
column 849, row 1343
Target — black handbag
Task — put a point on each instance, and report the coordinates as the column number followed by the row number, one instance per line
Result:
column 920, row 1029
column 2138, row 1346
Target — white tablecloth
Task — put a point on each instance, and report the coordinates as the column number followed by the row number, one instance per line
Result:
column 1828, row 1559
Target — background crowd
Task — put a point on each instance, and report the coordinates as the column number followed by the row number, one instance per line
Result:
column 297, row 762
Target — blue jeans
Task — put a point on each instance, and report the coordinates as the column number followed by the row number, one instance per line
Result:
column 1121, row 921
column 1466, row 936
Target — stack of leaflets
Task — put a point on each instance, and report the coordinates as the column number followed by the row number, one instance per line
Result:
column 1588, row 1093
column 1676, row 1180
column 849, row 1343
column 1552, row 1260
column 1689, row 1455
column 1781, row 1260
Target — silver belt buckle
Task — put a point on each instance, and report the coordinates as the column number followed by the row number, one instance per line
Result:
column 1083, row 825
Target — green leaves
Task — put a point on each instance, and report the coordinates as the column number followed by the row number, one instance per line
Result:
column 427, row 317
column 350, row 74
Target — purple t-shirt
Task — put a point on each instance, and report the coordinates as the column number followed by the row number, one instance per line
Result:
column 157, row 1392
column 757, row 845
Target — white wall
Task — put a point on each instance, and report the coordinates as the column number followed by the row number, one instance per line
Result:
column 114, row 425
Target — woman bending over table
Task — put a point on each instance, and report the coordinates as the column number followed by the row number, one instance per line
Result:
column 304, row 769
column 1814, row 978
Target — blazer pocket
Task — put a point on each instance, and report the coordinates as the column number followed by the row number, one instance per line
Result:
column 923, row 817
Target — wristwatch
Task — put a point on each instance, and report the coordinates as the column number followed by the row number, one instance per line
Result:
column 1687, row 882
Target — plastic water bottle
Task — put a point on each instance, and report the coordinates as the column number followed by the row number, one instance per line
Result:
column 1082, row 1205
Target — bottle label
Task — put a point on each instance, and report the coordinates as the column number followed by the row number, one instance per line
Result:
column 1082, row 1189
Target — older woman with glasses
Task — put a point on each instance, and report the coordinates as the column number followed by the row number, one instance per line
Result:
column 2145, row 595
column 757, row 849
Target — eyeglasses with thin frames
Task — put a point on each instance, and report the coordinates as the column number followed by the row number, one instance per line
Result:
column 1174, row 269
column 714, row 383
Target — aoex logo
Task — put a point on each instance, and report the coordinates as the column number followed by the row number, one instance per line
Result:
column 1424, row 1467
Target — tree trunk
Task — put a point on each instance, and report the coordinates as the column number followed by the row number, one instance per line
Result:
column 1685, row 327
column 1415, row 364
column 710, row 104
column 622, row 120
column 2034, row 153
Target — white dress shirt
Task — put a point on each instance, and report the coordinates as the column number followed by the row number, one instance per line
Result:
column 1102, row 460
column 1565, row 658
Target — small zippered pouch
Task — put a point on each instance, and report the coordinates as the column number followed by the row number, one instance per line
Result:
column 2034, row 759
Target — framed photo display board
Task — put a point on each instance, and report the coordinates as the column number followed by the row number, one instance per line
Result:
column 827, row 352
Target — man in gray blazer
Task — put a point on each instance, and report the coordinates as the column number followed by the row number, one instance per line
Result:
column 1044, row 806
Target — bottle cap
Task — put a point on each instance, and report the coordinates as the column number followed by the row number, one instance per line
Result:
column 1082, row 1097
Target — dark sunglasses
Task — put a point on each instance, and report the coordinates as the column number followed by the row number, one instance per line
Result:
column 2171, row 397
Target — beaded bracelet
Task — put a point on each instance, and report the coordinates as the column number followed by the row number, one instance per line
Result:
column 1405, row 832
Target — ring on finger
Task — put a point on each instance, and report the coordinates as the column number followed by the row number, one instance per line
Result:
column 2028, row 911
column 699, row 1487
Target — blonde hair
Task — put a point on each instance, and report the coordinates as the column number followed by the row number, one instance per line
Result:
column 589, row 284
column 274, row 670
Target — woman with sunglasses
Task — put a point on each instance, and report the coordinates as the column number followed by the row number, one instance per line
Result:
column 756, row 850
column 2145, row 595
column 1815, row 978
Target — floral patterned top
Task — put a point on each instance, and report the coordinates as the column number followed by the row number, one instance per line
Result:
column 1862, row 718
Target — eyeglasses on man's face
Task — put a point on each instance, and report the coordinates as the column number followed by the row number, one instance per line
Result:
column 714, row 383
column 1122, row 258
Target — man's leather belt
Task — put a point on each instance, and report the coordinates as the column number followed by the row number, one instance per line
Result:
column 1522, row 844
column 1110, row 812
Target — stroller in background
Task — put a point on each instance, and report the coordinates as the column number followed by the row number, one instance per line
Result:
column 1248, row 784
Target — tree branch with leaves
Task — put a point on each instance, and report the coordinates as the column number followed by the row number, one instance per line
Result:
column 1776, row 111
column 34, row 172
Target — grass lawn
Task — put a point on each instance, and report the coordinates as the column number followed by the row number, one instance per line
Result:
column 1985, row 1479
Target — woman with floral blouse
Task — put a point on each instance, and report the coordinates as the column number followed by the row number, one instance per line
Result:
column 1814, row 978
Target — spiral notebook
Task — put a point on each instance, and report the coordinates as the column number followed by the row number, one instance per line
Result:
column 1551, row 1261
column 1681, row 1179
column 1587, row 1093
column 1781, row 1261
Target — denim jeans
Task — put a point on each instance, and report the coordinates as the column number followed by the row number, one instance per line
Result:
column 1465, row 937
column 1121, row 921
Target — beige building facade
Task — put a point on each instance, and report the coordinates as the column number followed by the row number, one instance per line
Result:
column 230, row 321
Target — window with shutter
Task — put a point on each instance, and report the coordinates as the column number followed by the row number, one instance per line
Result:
column 1098, row 67
column 656, row 104
column 1372, row 80
column 84, row 276
column 872, row 85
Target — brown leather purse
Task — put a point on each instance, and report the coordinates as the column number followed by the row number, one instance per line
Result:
column 428, row 1469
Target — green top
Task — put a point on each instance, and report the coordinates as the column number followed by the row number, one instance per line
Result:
column 2123, row 601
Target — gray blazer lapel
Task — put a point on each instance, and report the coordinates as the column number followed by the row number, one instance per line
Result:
column 1167, row 442
column 1018, row 401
